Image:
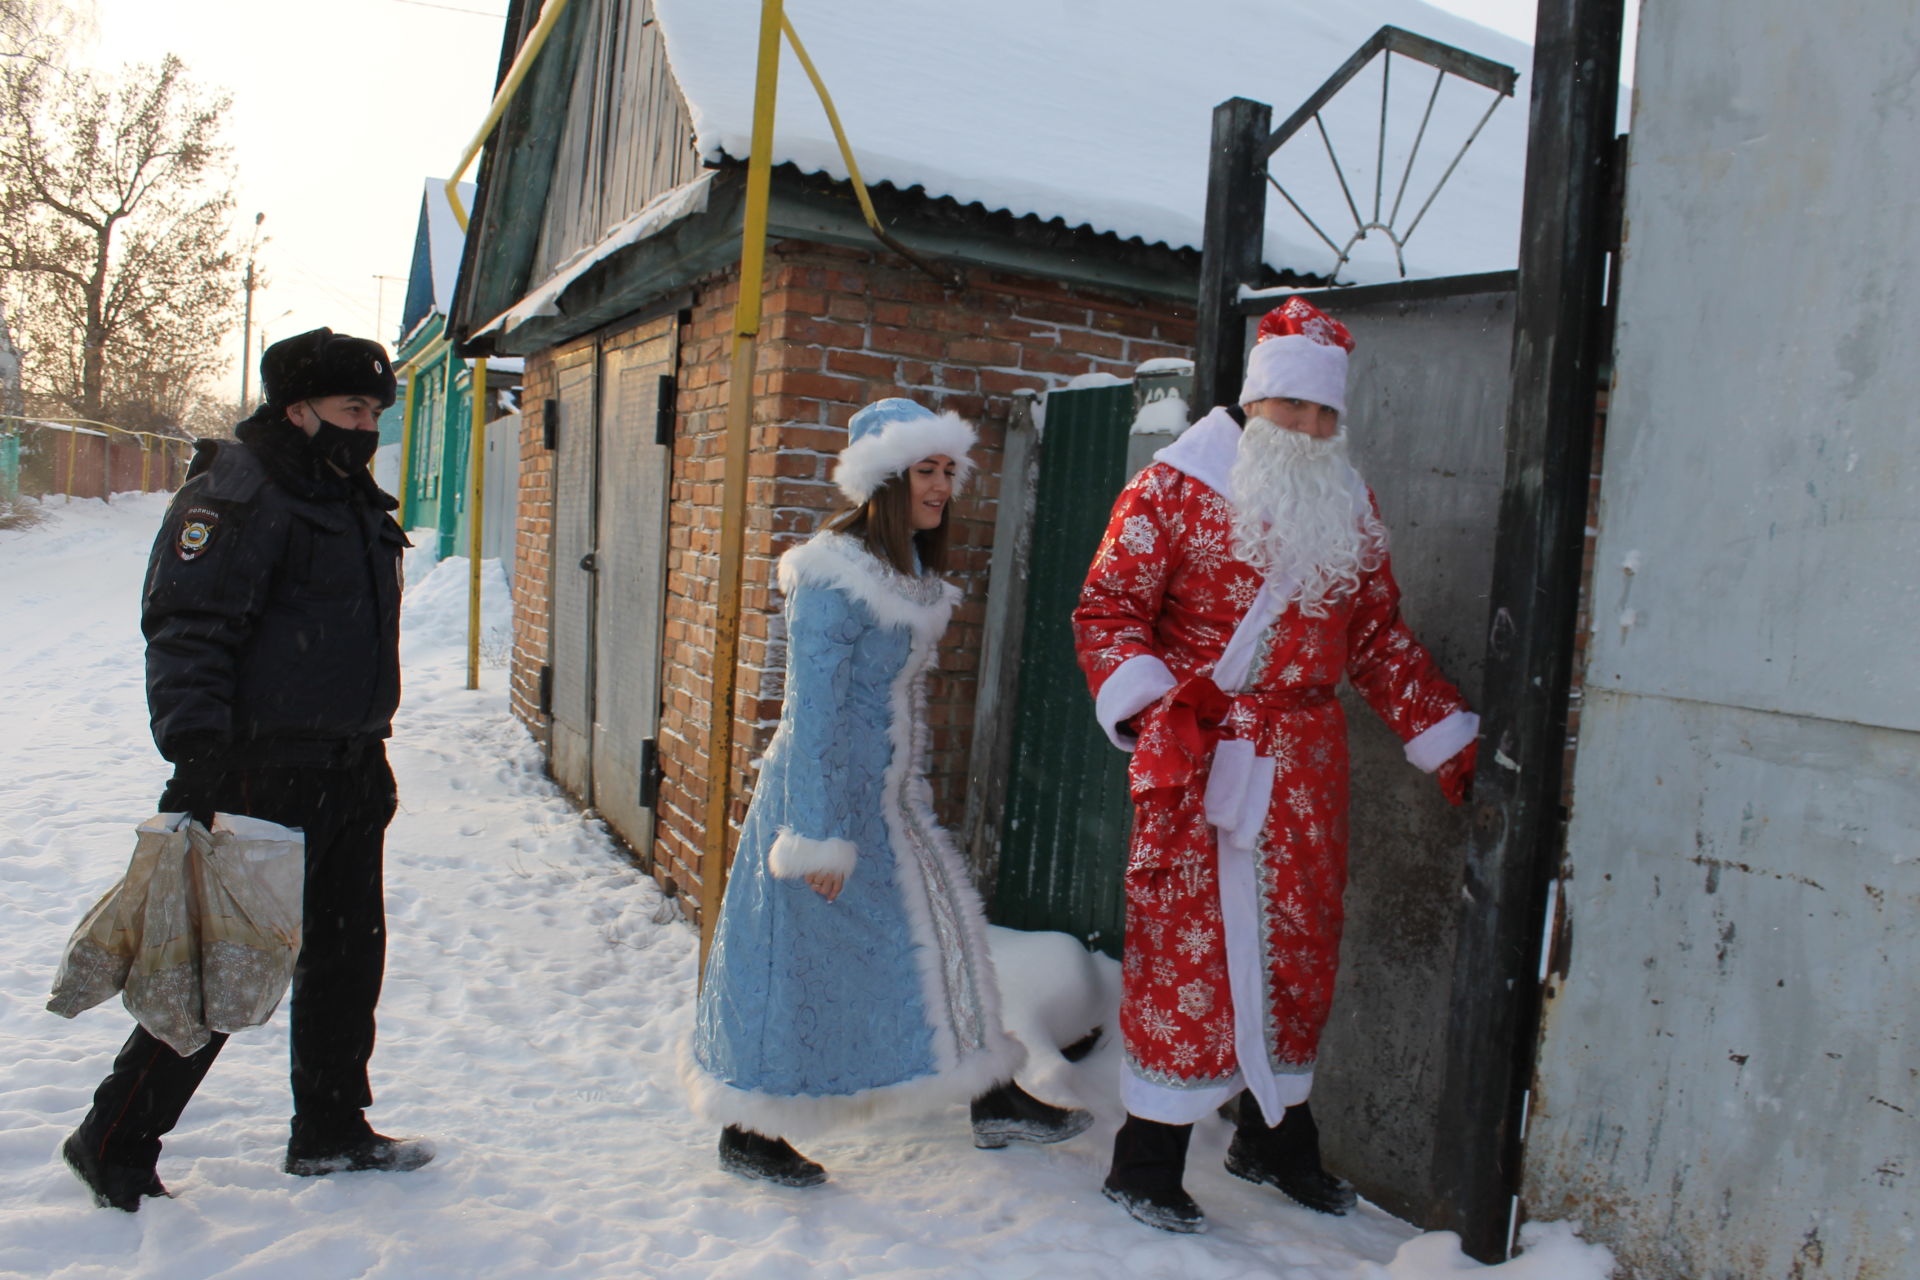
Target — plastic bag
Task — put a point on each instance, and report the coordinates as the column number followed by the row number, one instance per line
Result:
column 248, row 881
column 163, row 984
column 200, row 934
column 100, row 952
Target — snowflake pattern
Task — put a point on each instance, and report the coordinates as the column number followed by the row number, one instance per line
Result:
column 1196, row 999
column 1137, row 535
column 1195, row 941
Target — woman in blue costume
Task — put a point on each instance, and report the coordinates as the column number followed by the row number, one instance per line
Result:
column 849, row 975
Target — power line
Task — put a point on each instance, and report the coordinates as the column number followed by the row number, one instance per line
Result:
column 451, row 8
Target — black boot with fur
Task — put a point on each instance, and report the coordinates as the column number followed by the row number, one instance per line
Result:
column 1286, row 1156
column 1149, row 1161
column 1007, row 1113
column 754, row 1155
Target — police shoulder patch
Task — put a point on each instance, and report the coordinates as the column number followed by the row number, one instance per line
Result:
column 198, row 528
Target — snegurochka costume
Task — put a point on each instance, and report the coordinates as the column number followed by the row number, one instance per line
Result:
column 816, row 1013
column 1237, row 863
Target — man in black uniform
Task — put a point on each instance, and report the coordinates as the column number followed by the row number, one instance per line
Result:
column 271, row 613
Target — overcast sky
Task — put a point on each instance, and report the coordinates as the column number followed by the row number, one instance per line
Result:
column 341, row 110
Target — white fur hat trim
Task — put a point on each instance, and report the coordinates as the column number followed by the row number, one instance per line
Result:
column 1295, row 366
column 876, row 456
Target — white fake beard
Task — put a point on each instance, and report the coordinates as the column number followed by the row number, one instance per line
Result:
column 1294, row 515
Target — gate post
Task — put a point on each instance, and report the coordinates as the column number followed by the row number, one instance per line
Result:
column 1231, row 248
column 1559, row 336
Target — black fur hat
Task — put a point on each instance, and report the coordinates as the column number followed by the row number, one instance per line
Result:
column 321, row 362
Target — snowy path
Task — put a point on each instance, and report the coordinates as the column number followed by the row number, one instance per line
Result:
column 536, row 989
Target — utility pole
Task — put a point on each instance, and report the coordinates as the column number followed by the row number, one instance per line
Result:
column 246, row 322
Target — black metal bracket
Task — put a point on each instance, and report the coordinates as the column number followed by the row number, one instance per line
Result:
column 546, row 690
column 663, row 409
column 550, row 423
column 651, row 774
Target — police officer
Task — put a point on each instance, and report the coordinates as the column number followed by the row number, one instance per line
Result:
column 271, row 613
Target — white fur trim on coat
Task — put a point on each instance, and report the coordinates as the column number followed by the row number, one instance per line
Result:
column 811, row 1115
column 1295, row 365
column 1434, row 746
column 794, row 856
column 1135, row 685
column 1206, row 451
column 867, row 463
column 839, row 560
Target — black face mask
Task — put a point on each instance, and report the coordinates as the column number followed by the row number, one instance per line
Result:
column 344, row 447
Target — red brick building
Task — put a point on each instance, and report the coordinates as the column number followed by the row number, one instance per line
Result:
column 846, row 321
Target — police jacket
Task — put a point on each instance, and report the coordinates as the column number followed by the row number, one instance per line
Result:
column 272, row 607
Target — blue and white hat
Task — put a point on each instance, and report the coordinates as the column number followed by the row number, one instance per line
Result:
column 888, row 436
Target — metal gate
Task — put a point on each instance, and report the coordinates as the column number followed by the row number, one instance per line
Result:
column 576, row 491
column 1063, row 838
column 612, row 481
column 1427, row 408
column 636, row 380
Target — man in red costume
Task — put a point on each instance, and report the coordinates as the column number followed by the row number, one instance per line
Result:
column 1242, row 574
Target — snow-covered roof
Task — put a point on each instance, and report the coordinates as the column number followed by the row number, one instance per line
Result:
column 444, row 239
column 437, row 242
column 1099, row 112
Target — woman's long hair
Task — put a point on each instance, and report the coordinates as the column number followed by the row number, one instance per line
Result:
column 885, row 523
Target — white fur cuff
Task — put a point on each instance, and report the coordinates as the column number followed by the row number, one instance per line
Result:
column 1432, row 748
column 794, row 856
column 1135, row 685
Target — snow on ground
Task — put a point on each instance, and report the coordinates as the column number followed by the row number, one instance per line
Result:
column 536, row 989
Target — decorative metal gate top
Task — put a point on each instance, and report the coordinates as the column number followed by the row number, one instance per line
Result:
column 1384, row 43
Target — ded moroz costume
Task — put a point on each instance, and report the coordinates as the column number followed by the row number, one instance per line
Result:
column 818, row 1011
column 1242, row 574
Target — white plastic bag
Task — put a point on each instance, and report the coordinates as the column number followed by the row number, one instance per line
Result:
column 100, row 952
column 200, row 934
column 248, row 880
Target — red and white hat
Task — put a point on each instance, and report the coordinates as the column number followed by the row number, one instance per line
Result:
column 1299, row 352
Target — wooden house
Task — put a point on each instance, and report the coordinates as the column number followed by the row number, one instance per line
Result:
column 435, row 407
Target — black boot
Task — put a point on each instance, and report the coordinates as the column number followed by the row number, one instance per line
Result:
column 754, row 1155
column 1007, row 1113
column 114, row 1186
column 316, row 1151
column 1149, row 1159
column 1286, row 1156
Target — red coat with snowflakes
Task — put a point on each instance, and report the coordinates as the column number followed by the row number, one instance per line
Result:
column 1166, row 586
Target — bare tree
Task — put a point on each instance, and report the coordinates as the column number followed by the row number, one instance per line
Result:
column 114, row 215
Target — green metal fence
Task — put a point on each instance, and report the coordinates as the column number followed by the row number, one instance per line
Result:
column 1063, row 838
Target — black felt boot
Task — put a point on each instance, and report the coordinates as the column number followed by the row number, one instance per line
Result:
column 1149, row 1161
column 114, row 1185
column 754, row 1155
column 1286, row 1156
column 350, row 1146
column 1007, row 1113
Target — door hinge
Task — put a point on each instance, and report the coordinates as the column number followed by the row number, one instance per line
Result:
column 550, row 423
column 546, row 690
column 651, row 773
column 663, row 408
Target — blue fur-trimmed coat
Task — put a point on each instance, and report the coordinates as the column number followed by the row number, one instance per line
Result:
column 816, row 1013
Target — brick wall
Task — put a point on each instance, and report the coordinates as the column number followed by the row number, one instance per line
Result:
column 533, row 547
column 841, row 328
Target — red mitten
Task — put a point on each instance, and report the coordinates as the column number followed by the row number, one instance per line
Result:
column 1456, row 775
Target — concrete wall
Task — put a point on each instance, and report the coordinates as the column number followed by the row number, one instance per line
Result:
column 1728, row 1082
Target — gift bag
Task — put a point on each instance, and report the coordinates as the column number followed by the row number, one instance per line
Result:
column 249, row 877
column 100, row 952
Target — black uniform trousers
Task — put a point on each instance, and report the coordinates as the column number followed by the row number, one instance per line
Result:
column 344, row 812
